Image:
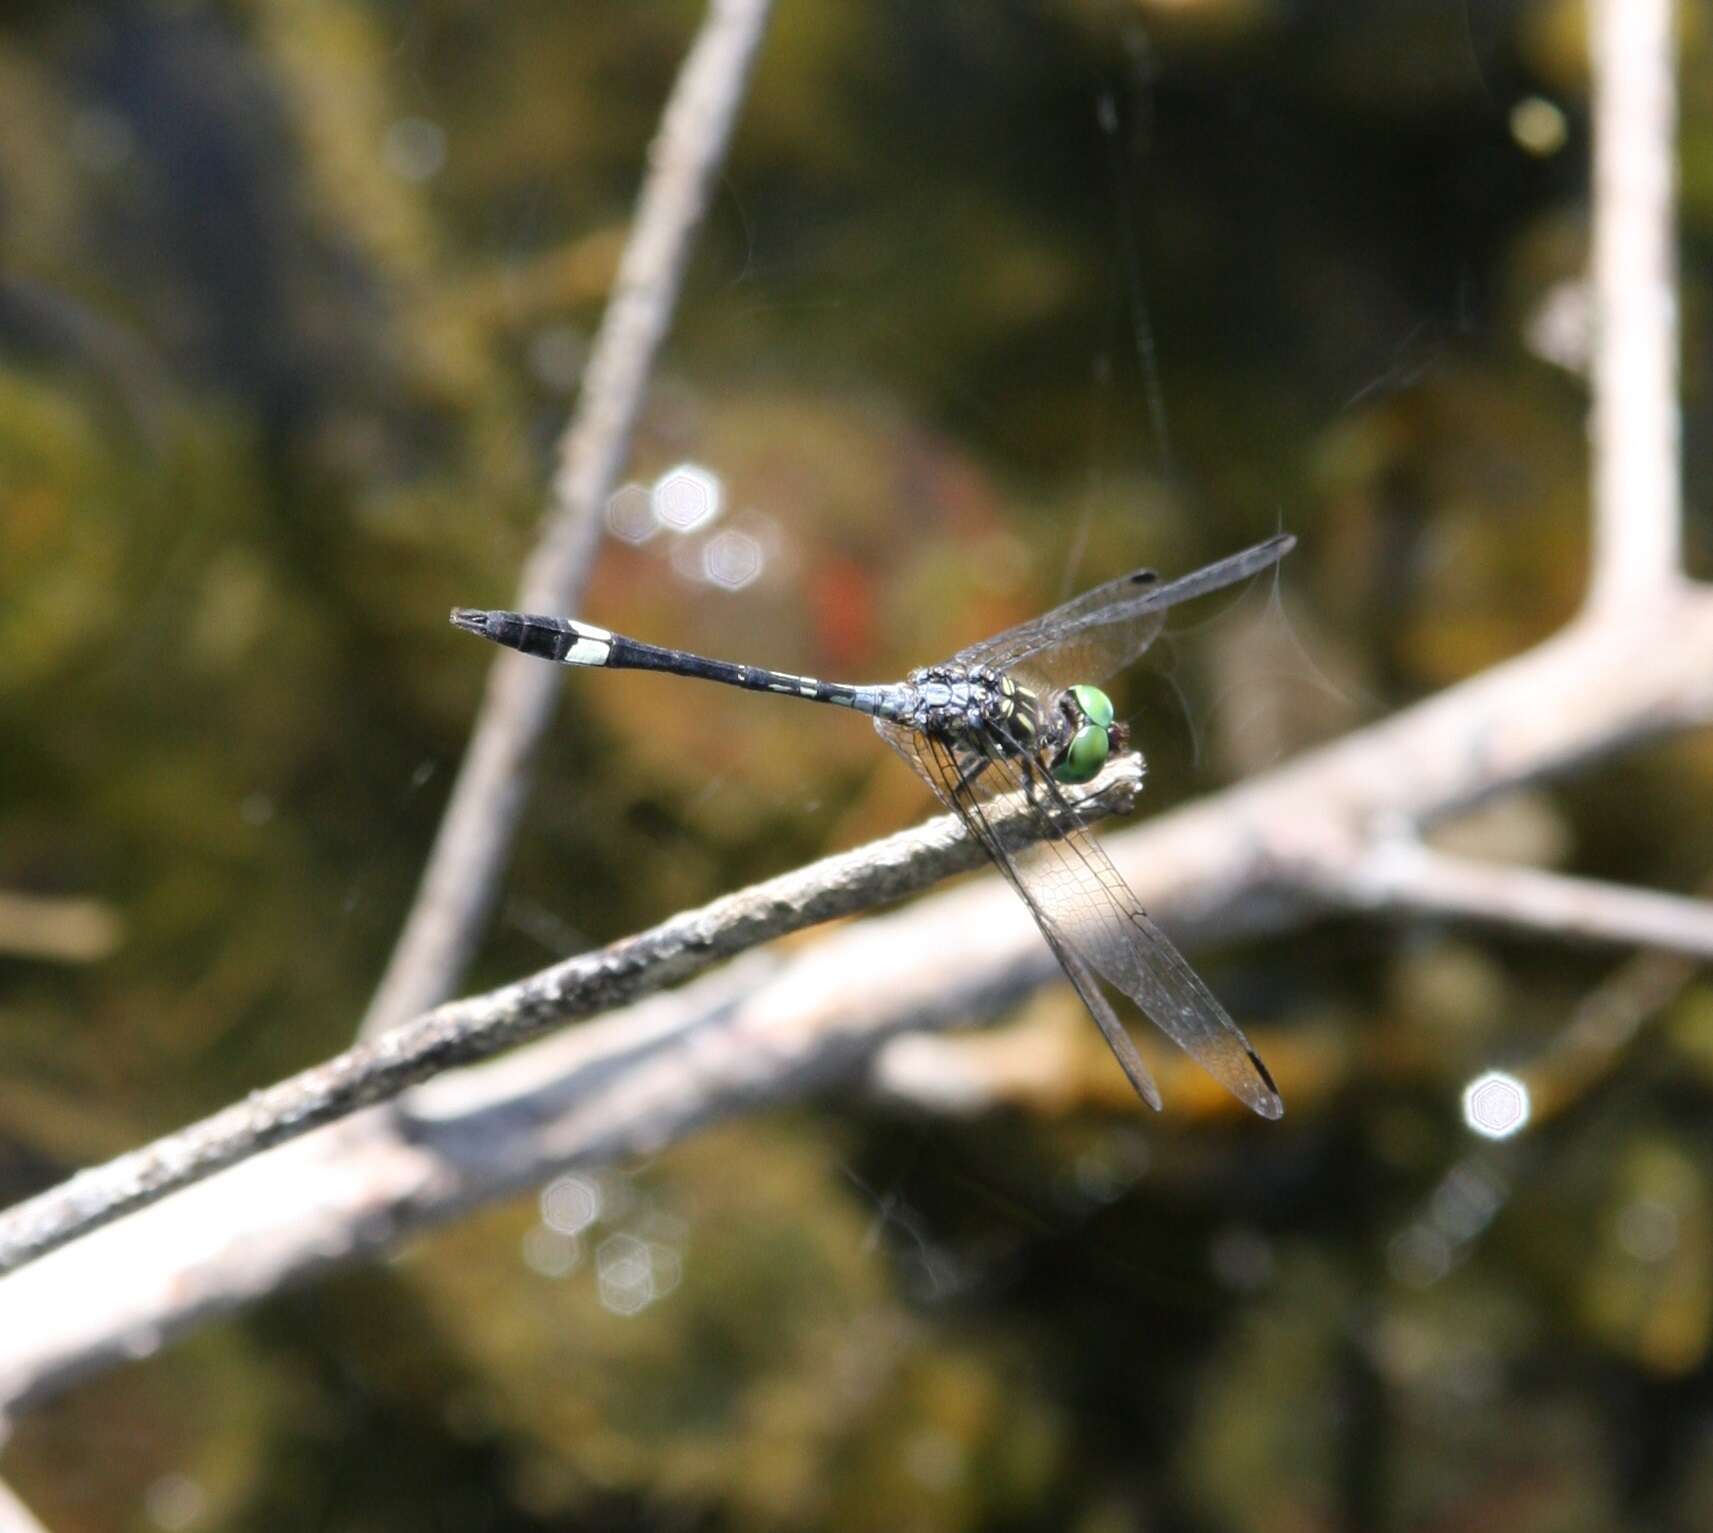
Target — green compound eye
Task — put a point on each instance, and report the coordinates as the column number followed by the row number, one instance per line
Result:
column 1086, row 756
column 1095, row 704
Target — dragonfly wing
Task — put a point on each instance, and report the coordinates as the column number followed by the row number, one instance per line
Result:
column 1103, row 630
column 1090, row 637
column 1105, row 1018
column 934, row 764
column 1155, row 975
column 1100, row 916
column 1084, row 906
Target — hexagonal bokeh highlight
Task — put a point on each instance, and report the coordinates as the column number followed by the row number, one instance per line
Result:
column 570, row 1204
column 630, row 514
column 176, row 1501
column 557, row 357
column 1648, row 1229
column 732, row 559
column 666, row 1268
column 631, row 1272
column 551, row 1254
column 414, row 149
column 686, row 561
column 1495, row 1105
column 624, row 1274
column 686, row 497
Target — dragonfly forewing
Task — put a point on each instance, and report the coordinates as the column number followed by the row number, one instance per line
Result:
column 1094, row 635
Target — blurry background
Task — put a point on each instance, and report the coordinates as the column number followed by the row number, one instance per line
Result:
column 996, row 301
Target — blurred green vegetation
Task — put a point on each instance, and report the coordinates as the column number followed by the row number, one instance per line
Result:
column 995, row 300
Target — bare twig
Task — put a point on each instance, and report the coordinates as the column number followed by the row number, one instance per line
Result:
column 1400, row 874
column 1560, row 1078
column 1603, row 1029
column 59, row 929
column 1637, row 512
column 15, row 1517
column 462, row 1031
column 469, row 854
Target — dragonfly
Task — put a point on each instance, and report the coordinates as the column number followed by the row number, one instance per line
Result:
column 1019, row 716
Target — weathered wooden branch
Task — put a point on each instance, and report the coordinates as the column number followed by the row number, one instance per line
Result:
column 15, row 1517
column 473, row 844
column 459, row 1032
column 1406, row 877
column 1263, row 856
column 57, row 928
column 1638, row 525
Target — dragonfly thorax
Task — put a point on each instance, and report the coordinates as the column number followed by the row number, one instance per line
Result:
column 1073, row 732
column 950, row 701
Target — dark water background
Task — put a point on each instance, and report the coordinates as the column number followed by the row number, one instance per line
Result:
column 996, row 300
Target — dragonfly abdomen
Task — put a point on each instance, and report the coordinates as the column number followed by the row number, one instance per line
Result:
column 633, row 654
column 571, row 642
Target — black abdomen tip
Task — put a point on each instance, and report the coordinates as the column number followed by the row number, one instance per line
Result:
column 509, row 628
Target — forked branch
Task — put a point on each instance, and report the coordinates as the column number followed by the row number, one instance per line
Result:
column 474, row 841
column 1263, row 856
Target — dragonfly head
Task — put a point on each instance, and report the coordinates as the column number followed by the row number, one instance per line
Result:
column 1092, row 734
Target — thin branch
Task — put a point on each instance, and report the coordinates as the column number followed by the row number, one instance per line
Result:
column 58, row 929
column 1560, row 1078
column 1245, row 862
column 15, row 1517
column 470, row 851
column 1637, row 502
column 1603, row 1030
column 462, row 1031
column 1401, row 874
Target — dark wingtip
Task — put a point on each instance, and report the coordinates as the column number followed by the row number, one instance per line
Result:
column 1271, row 1106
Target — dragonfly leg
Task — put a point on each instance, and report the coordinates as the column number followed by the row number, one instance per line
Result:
column 970, row 765
column 1030, row 771
column 1041, row 792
